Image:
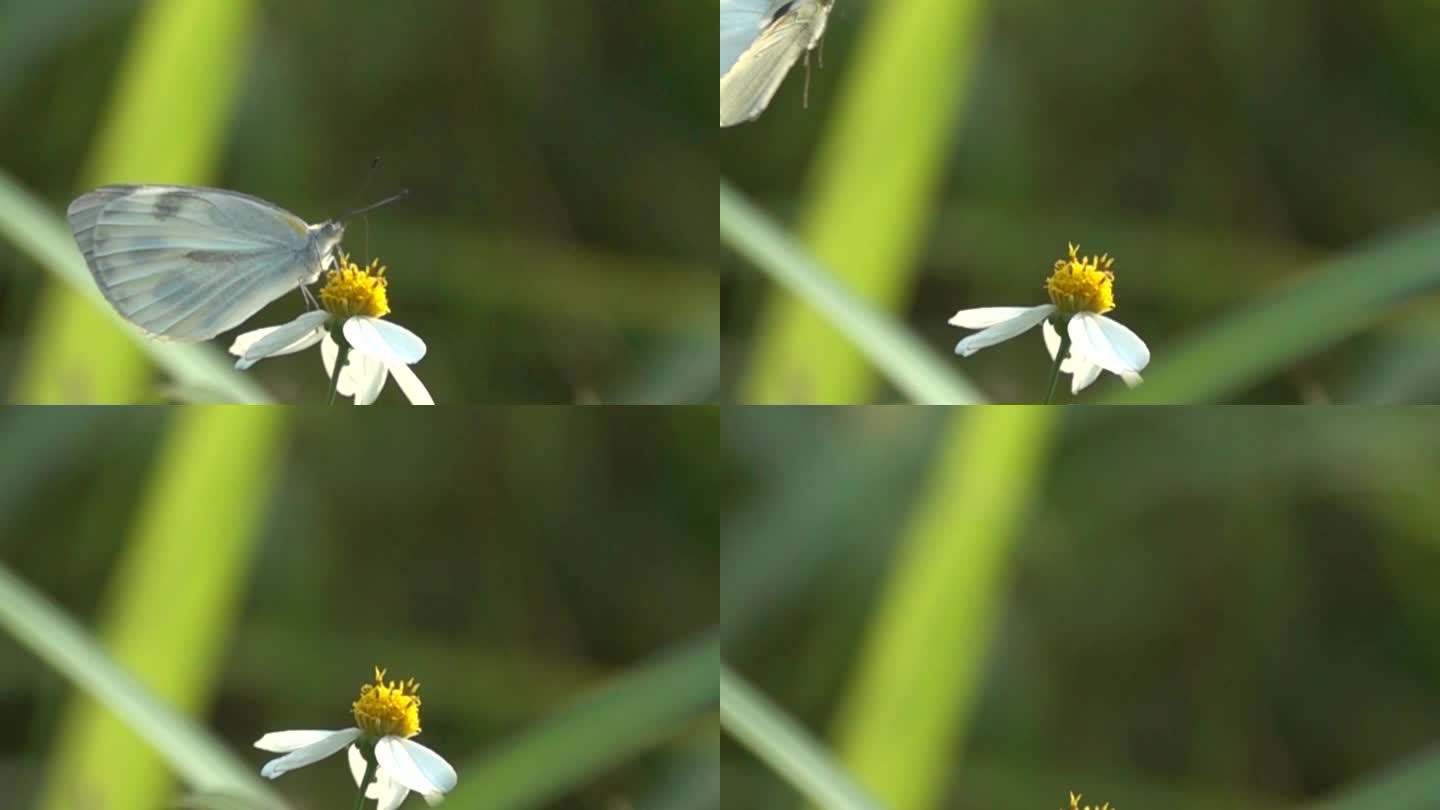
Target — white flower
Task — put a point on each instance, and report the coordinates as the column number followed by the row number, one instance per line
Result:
column 1081, row 290
column 388, row 791
column 386, row 715
column 1085, row 371
column 379, row 349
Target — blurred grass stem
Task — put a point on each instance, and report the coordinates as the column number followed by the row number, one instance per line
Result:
column 788, row 749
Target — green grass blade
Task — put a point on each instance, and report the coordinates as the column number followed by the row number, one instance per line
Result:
column 45, row 238
column 911, row 366
column 639, row 709
column 54, row 637
column 1339, row 299
column 176, row 90
column 876, row 176
column 195, row 532
column 904, row 716
column 787, row 748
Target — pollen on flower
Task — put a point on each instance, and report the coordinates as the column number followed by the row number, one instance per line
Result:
column 1075, row 804
column 1082, row 284
column 388, row 708
column 350, row 290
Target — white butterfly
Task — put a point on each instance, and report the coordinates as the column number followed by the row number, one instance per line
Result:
column 185, row 263
column 759, row 42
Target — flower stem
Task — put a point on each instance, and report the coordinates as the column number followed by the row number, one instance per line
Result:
column 369, row 768
column 339, row 364
column 1055, row 369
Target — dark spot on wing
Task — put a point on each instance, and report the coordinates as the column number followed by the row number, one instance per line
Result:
column 210, row 256
column 168, row 204
column 778, row 13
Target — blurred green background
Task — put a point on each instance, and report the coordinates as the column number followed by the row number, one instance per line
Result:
column 556, row 244
column 549, row 576
column 1160, row 608
column 1265, row 174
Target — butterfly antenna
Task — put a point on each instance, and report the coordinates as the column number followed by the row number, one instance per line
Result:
column 365, row 186
column 805, row 99
column 369, row 175
column 372, row 206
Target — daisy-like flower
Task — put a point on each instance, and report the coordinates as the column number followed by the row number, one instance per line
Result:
column 1081, row 292
column 1075, row 804
column 387, row 715
column 352, row 302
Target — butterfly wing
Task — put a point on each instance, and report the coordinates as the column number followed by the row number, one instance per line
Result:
column 740, row 23
column 746, row 90
column 188, row 263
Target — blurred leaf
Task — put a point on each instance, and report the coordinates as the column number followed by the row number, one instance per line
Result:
column 911, row 695
column 876, row 173
column 173, row 599
column 617, row 721
column 1337, row 300
column 909, row 364
column 172, row 105
column 788, row 749
column 41, row 627
column 220, row 801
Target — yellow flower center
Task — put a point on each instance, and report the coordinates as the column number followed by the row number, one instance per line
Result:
column 350, row 290
column 1082, row 284
column 388, row 708
column 1075, row 804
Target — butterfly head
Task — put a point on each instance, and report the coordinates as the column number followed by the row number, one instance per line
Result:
column 324, row 239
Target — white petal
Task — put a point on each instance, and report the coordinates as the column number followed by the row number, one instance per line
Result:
column 283, row 742
column 1052, row 345
column 1022, row 320
column 357, row 766
column 1052, row 340
column 415, row 390
column 363, row 377
column 1108, row 344
column 1085, row 373
column 414, row 766
column 300, row 757
column 245, row 340
column 440, row 773
column 298, row 334
column 985, row 317
column 1131, row 378
column 388, row 341
column 391, row 794
column 329, row 350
